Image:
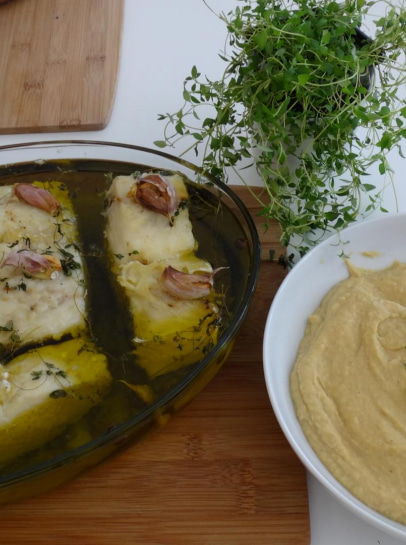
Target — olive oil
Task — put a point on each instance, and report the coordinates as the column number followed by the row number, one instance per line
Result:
column 134, row 395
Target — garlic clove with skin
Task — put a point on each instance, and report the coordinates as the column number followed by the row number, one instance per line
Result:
column 155, row 192
column 36, row 265
column 37, row 197
column 187, row 286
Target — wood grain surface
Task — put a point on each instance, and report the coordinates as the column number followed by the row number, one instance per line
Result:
column 58, row 64
column 219, row 473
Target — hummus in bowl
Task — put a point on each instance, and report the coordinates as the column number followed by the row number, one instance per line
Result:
column 334, row 362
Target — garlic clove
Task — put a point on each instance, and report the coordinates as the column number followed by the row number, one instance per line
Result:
column 187, row 286
column 37, row 197
column 37, row 265
column 155, row 192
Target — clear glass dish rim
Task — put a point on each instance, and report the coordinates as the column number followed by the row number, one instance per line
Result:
column 115, row 434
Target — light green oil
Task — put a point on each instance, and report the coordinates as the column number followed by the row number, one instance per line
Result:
column 221, row 241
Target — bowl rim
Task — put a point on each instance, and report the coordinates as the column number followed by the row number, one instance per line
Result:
column 121, row 431
column 355, row 505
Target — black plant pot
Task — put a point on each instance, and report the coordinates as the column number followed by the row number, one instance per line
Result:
column 366, row 80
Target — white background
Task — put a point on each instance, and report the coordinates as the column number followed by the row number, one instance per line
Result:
column 162, row 40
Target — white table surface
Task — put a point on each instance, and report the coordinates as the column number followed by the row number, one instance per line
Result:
column 162, row 40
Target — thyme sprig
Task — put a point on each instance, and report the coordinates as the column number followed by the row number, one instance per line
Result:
column 298, row 100
column 50, row 370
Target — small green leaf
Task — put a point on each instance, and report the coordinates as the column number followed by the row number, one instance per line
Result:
column 261, row 39
column 36, row 375
column 303, row 78
column 362, row 114
column 15, row 337
column 326, row 36
column 385, row 142
column 384, row 111
column 368, row 187
column 179, row 127
column 160, row 143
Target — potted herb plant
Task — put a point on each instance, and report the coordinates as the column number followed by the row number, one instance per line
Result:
column 310, row 100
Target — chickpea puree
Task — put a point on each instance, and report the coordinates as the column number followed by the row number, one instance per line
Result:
column 348, row 386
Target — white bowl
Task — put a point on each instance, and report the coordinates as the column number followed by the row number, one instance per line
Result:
column 299, row 295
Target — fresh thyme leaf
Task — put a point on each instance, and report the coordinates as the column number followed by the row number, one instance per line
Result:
column 74, row 245
column 65, row 253
column 15, row 337
column 8, row 327
column 68, row 264
column 59, row 229
column 56, row 394
column 51, row 370
column 121, row 256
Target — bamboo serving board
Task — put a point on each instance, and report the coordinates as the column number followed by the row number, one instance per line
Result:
column 58, row 64
column 219, row 473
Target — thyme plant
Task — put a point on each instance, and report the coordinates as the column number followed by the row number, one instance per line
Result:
column 307, row 98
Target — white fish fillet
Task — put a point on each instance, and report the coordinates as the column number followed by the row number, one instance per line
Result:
column 34, row 309
column 168, row 332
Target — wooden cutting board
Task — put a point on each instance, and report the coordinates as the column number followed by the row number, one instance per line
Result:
column 219, row 473
column 58, row 64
